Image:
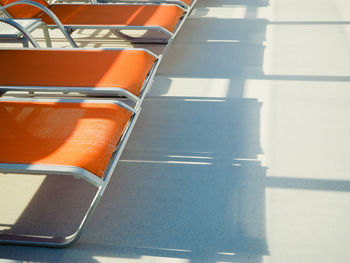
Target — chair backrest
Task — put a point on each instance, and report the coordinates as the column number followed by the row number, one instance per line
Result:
column 23, row 11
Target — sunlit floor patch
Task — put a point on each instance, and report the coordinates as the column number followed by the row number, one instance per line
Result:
column 12, row 204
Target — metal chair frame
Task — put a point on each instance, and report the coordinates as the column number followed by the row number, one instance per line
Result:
column 23, row 33
column 99, row 183
column 167, row 36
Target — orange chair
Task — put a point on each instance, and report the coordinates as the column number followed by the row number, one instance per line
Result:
column 162, row 21
column 187, row 4
column 82, row 138
column 109, row 72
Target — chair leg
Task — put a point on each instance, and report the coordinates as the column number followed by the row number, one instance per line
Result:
column 25, row 42
column 46, row 35
column 52, row 241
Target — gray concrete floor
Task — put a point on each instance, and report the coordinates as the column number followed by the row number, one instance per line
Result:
column 241, row 152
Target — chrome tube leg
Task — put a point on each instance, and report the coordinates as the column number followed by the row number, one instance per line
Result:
column 46, row 35
column 25, row 42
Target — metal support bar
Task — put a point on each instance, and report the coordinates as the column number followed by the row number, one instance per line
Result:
column 46, row 33
column 24, row 32
column 48, row 12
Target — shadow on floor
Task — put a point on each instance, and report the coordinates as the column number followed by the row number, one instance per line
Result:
column 188, row 186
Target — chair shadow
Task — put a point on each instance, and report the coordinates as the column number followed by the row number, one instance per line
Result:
column 200, row 197
column 202, row 193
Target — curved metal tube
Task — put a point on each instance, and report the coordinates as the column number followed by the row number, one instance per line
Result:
column 21, row 29
column 53, row 241
column 49, row 13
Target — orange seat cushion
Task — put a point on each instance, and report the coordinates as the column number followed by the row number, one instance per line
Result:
column 126, row 69
column 77, row 134
column 166, row 16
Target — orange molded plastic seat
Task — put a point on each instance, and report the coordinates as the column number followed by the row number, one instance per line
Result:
column 75, row 134
column 125, row 69
column 165, row 16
